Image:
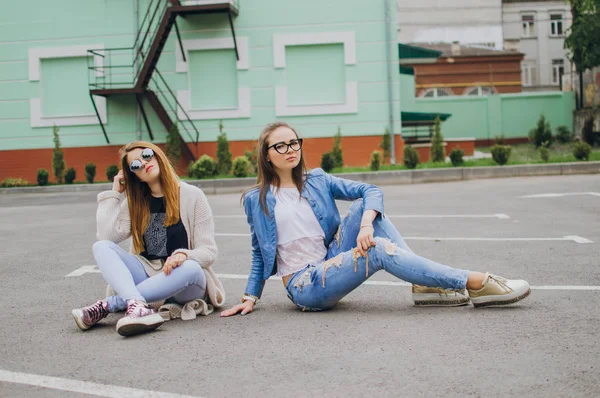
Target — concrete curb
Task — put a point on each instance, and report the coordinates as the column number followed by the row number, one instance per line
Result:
column 395, row 177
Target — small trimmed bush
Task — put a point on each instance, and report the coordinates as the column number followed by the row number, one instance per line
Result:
column 251, row 156
column 70, row 175
column 437, row 143
column 111, row 172
column 582, row 150
column 203, row 168
column 241, row 166
column 457, row 157
column 375, row 160
column 90, row 172
column 544, row 152
column 336, row 152
column 42, row 177
column 14, row 182
column 501, row 153
column 541, row 133
column 411, row 157
column 327, row 162
column 563, row 135
column 499, row 140
column 224, row 156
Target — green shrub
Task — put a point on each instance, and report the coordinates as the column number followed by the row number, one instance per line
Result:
column 501, row 153
column 241, row 166
column 203, row 168
column 375, row 160
column 58, row 158
column 437, row 143
column 563, row 135
column 541, row 133
column 336, row 152
column 252, row 158
column 111, row 172
column 70, row 175
column 500, row 140
column 327, row 162
column 544, row 152
column 456, row 157
column 582, row 150
column 14, row 182
column 42, row 177
column 587, row 134
column 173, row 145
column 411, row 157
column 90, row 172
column 224, row 155
column 386, row 145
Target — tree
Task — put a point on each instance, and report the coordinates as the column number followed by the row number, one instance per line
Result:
column 336, row 152
column 173, row 146
column 386, row 145
column 437, row 142
column 58, row 158
column 582, row 41
column 224, row 157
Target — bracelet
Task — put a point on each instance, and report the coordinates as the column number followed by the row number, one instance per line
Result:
column 367, row 226
column 250, row 297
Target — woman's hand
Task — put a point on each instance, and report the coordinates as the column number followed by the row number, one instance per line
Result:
column 118, row 182
column 365, row 239
column 173, row 262
column 245, row 308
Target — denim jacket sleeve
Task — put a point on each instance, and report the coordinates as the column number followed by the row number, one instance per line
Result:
column 256, row 282
column 344, row 189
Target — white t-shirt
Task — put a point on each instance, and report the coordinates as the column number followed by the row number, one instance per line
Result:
column 300, row 238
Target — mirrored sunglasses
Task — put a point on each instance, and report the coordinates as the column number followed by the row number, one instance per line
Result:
column 136, row 165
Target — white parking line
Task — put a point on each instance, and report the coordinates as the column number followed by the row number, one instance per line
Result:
column 499, row 216
column 83, row 387
column 570, row 238
column 92, row 269
column 559, row 195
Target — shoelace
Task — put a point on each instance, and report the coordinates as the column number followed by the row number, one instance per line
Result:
column 134, row 308
column 97, row 312
column 500, row 281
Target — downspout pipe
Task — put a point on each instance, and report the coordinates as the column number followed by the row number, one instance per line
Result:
column 390, row 86
column 136, row 25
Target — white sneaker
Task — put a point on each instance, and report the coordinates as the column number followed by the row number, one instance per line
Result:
column 498, row 291
column 424, row 296
column 139, row 318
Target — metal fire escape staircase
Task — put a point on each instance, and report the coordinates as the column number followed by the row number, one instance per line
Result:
column 132, row 70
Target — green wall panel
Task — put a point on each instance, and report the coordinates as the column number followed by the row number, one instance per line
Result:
column 213, row 79
column 64, row 90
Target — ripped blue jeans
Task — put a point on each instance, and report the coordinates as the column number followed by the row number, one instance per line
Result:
column 320, row 286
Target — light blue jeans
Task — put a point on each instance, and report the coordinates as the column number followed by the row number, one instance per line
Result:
column 128, row 278
column 320, row 286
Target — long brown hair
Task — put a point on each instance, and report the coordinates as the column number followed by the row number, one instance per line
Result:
column 267, row 175
column 138, row 192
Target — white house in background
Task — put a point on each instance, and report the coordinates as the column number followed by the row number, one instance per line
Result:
column 473, row 22
column 539, row 29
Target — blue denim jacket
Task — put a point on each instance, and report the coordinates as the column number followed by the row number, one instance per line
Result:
column 321, row 190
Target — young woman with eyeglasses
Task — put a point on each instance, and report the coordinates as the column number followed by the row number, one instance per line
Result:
column 297, row 234
column 173, row 246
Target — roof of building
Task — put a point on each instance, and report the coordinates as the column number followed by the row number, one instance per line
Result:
column 462, row 50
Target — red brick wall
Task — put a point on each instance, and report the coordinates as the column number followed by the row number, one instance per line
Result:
column 25, row 163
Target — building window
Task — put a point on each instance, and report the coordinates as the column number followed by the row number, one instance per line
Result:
column 528, row 26
column 479, row 91
column 556, row 25
column 558, row 69
column 435, row 92
column 528, row 75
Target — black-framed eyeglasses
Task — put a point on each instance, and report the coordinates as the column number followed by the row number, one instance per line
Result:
column 136, row 165
column 282, row 147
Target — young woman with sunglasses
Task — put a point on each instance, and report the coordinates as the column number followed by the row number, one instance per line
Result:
column 173, row 247
column 297, row 234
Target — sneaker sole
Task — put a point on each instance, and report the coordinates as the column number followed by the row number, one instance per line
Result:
column 500, row 303
column 435, row 300
column 139, row 325
column 78, row 315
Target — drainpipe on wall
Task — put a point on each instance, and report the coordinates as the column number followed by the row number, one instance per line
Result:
column 388, row 56
column 138, row 116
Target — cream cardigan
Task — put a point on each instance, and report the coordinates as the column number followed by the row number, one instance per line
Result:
column 114, row 224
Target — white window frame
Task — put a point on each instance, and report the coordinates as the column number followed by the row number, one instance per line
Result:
column 555, row 23
column 280, row 42
column 37, row 119
column 527, row 26
column 480, row 91
column 556, row 71
column 528, row 74
column 435, row 91
column 244, row 108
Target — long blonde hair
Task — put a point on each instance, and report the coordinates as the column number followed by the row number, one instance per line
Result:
column 138, row 192
column 267, row 175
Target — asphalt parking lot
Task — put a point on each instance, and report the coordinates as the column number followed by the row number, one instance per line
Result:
column 375, row 342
